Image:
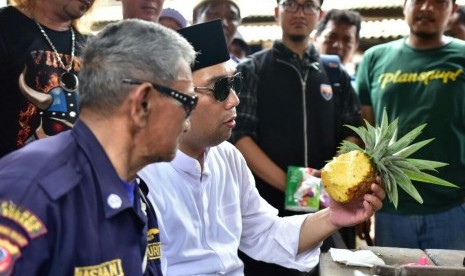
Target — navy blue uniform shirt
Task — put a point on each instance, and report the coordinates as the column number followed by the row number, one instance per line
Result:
column 65, row 211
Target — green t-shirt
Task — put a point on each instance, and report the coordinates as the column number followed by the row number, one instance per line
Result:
column 422, row 86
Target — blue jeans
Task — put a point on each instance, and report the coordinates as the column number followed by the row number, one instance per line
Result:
column 436, row 231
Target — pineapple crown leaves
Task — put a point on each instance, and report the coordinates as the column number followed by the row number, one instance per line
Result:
column 389, row 157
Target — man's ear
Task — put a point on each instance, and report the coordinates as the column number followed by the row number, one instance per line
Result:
column 139, row 108
column 276, row 14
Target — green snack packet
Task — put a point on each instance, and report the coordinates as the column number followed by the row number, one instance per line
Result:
column 302, row 190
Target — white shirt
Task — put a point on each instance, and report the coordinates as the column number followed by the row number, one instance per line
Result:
column 204, row 217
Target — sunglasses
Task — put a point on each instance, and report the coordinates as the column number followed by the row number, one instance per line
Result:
column 189, row 102
column 223, row 86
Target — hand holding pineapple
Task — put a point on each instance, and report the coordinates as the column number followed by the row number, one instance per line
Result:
column 358, row 211
column 323, row 223
column 349, row 176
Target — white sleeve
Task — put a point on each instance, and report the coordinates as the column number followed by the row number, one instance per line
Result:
column 267, row 237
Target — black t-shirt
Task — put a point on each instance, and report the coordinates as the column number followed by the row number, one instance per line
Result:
column 22, row 44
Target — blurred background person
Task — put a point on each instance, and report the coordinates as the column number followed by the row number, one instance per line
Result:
column 172, row 19
column 238, row 48
column 41, row 36
column 456, row 24
column 148, row 10
column 338, row 33
column 420, row 79
column 226, row 10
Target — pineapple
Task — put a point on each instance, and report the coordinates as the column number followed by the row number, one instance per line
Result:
column 349, row 176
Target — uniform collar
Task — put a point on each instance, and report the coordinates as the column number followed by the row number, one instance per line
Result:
column 112, row 192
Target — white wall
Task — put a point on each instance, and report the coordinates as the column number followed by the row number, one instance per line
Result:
column 2, row 3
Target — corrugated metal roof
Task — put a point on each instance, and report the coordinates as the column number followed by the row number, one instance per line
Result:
column 387, row 28
column 361, row 4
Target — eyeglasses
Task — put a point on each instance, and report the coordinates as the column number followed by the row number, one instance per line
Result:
column 189, row 102
column 309, row 8
column 223, row 86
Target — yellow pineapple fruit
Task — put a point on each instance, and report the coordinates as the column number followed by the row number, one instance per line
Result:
column 349, row 176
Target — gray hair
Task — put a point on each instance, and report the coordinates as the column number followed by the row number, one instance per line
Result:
column 130, row 48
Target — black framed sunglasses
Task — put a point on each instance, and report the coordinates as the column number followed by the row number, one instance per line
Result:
column 189, row 102
column 223, row 86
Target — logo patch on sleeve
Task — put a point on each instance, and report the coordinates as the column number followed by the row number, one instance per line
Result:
column 154, row 251
column 9, row 253
column 33, row 226
column 110, row 268
column 152, row 233
column 13, row 236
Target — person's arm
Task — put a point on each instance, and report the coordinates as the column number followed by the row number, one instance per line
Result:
column 368, row 114
column 322, row 224
column 260, row 164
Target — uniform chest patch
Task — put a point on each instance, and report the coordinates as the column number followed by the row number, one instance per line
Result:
column 326, row 91
column 110, row 268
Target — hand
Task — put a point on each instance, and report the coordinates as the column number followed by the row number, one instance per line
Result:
column 358, row 211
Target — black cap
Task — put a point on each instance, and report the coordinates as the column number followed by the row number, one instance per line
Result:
column 208, row 41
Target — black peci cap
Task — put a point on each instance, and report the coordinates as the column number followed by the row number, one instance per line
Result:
column 208, row 41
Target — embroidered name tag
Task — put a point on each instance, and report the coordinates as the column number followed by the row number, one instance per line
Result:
column 153, row 251
column 110, row 268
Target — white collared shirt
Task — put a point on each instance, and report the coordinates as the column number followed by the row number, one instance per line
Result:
column 204, row 217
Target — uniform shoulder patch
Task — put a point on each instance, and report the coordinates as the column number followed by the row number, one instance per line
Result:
column 9, row 253
column 14, row 236
column 153, row 245
column 28, row 221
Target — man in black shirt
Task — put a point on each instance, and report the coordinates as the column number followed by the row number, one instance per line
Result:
column 41, row 40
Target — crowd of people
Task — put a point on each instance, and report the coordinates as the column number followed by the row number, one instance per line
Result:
column 158, row 148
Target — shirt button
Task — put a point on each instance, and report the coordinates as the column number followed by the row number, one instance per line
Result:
column 114, row 201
